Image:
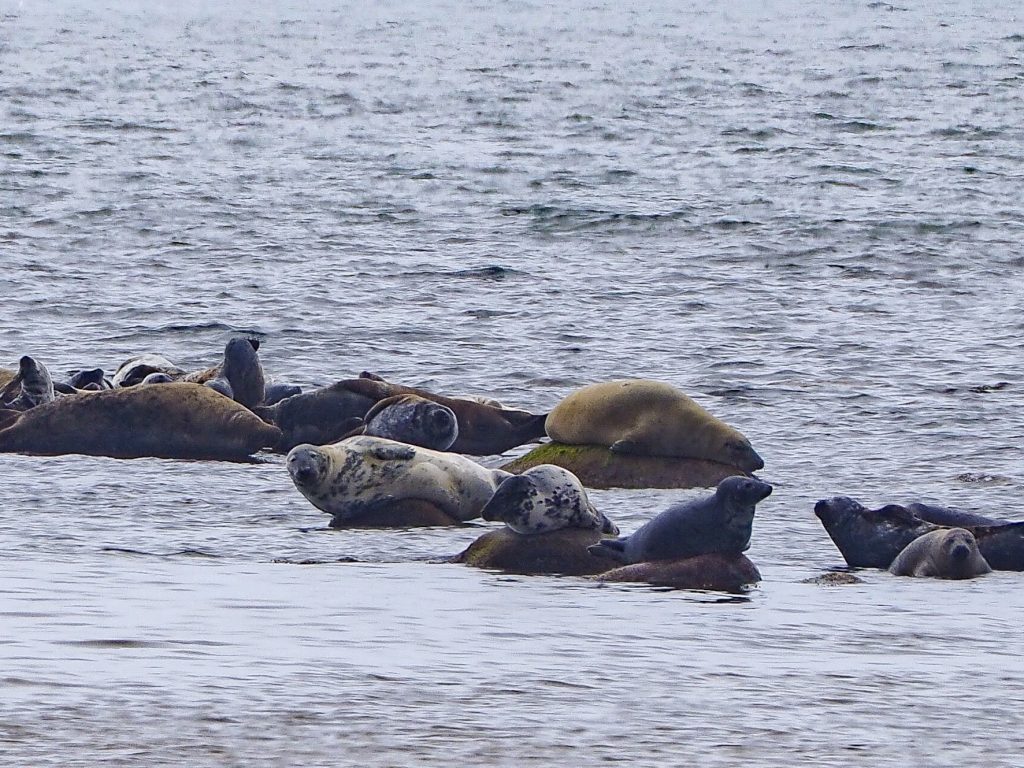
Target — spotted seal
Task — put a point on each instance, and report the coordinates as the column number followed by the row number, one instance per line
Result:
column 176, row 420
column 545, row 498
column 719, row 523
column 949, row 553
column 360, row 475
column 412, row 419
column 648, row 418
column 33, row 385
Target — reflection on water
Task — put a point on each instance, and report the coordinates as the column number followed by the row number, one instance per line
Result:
column 807, row 217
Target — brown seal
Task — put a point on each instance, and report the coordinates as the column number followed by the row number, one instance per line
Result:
column 175, row 421
column 648, row 418
column 563, row 551
column 714, row 571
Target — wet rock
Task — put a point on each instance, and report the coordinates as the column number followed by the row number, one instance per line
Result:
column 598, row 467
column 558, row 552
column 398, row 513
column 718, row 572
column 834, row 579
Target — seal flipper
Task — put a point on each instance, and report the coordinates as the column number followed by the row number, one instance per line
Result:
column 629, row 446
column 613, row 549
column 607, row 526
column 396, row 452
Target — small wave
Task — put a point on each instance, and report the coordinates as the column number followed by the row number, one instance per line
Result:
column 176, row 553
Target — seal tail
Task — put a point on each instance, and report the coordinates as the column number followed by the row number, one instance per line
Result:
column 613, row 549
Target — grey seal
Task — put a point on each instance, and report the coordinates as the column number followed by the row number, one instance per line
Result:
column 414, row 420
column 33, row 384
column 949, row 553
column 719, row 523
column 545, row 498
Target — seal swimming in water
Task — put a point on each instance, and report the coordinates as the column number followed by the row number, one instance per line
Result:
column 355, row 477
column 412, row 419
column 949, row 553
column 545, row 498
column 872, row 538
column 719, row 523
column 35, row 384
column 650, row 418
column 175, row 421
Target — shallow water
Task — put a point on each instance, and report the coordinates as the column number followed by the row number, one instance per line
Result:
column 806, row 216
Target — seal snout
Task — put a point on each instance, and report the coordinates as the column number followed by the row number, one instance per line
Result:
column 960, row 552
column 305, row 465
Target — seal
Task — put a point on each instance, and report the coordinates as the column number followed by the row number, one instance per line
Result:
column 330, row 413
column 88, row 380
column 241, row 374
column 648, row 418
column 872, row 538
column 545, row 498
column 275, row 393
column 174, row 421
column 562, row 552
column 414, row 420
column 35, row 385
column 157, row 378
column 484, row 430
column 950, row 553
column 718, row 523
column 133, row 371
column 359, row 476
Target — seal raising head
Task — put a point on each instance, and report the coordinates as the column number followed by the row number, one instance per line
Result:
column 545, row 498
column 718, row 523
column 35, row 385
column 949, row 553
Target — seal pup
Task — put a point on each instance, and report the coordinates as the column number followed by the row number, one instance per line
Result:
column 719, row 523
column 412, row 419
column 545, row 498
column 950, row 553
column 356, row 476
column 35, row 384
column 648, row 418
column 174, row 421
column 133, row 371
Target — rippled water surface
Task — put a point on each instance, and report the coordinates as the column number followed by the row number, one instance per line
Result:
column 806, row 215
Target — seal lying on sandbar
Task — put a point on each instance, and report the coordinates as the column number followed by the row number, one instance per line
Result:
column 949, row 553
column 133, row 371
column 872, row 538
column 545, row 498
column 718, row 523
column 648, row 418
column 413, row 420
column 361, row 475
column 33, row 385
column 175, row 421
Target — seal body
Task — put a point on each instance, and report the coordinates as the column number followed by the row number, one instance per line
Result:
column 650, row 418
column 91, row 379
column 35, row 384
column 719, row 523
column 358, row 475
column 545, row 498
column 133, row 371
column 414, row 420
column 243, row 372
column 319, row 417
column 713, row 571
column 176, row 420
column 557, row 552
column 949, row 553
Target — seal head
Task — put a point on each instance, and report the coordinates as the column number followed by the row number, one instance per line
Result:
column 414, row 420
column 948, row 553
column 35, row 383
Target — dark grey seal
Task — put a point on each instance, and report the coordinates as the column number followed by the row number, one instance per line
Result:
column 949, row 553
column 241, row 373
column 542, row 499
column 719, row 523
column 33, row 385
column 414, row 420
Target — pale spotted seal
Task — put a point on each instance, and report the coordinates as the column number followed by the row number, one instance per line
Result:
column 719, row 523
column 949, row 553
column 31, row 387
column 359, row 475
column 649, row 418
column 545, row 498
